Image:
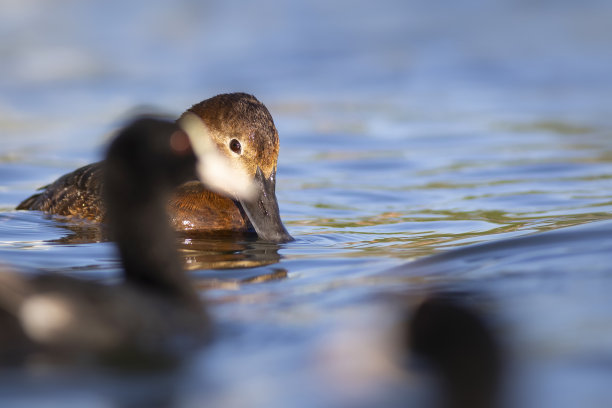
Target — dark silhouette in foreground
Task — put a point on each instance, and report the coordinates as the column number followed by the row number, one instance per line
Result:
column 155, row 316
column 461, row 350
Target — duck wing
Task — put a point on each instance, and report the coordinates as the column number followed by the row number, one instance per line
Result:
column 74, row 194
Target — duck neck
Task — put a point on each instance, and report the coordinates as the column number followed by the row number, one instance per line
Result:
column 148, row 250
column 138, row 222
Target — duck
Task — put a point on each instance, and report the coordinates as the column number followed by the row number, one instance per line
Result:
column 156, row 313
column 457, row 343
column 242, row 129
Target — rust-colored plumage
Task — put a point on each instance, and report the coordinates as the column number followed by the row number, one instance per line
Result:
column 193, row 207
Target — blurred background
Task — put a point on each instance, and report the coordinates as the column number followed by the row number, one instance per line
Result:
column 71, row 58
column 408, row 128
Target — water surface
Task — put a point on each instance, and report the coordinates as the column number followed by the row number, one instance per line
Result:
column 475, row 133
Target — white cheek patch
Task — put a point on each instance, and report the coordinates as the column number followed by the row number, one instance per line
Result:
column 215, row 171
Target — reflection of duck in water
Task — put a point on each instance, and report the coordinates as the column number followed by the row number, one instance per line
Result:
column 157, row 311
column 243, row 130
column 456, row 342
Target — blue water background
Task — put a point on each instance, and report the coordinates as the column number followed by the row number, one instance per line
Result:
column 408, row 129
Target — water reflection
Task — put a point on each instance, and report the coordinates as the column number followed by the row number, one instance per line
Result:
column 235, row 283
column 563, row 250
column 80, row 231
column 198, row 250
column 206, row 251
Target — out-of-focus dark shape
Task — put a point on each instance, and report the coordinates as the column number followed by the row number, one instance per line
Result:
column 156, row 315
column 461, row 349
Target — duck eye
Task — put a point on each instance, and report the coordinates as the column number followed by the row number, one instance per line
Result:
column 235, row 146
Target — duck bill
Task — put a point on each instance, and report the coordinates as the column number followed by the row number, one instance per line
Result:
column 262, row 209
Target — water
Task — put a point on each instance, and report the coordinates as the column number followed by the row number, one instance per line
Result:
column 408, row 129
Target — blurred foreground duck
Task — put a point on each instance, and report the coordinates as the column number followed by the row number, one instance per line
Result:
column 156, row 311
column 462, row 351
column 243, row 131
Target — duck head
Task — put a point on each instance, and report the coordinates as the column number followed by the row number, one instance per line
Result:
column 242, row 130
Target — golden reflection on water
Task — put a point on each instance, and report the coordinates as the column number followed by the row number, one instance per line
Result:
column 235, row 284
column 409, row 242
